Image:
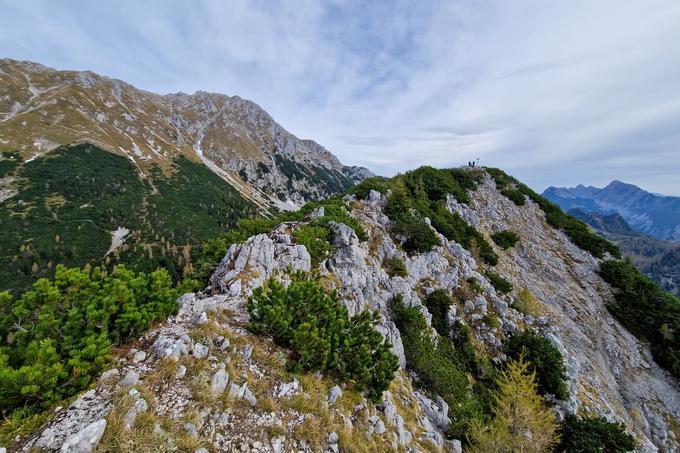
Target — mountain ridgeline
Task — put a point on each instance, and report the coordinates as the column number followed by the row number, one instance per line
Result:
column 654, row 215
column 94, row 172
column 42, row 109
column 434, row 311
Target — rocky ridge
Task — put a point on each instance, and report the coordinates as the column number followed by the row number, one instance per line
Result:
column 42, row 108
column 202, row 381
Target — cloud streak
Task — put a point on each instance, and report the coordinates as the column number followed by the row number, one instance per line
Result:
column 558, row 93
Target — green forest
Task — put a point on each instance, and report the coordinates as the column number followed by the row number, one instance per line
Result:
column 70, row 201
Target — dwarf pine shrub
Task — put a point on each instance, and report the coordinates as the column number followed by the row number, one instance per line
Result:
column 317, row 327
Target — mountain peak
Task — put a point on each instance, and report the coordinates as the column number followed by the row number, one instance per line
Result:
column 233, row 136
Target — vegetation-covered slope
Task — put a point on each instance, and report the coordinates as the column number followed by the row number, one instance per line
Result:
column 71, row 200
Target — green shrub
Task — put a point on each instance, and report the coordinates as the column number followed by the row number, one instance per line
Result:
column 594, row 435
column 335, row 211
column 515, row 196
column 362, row 189
column 545, row 360
column 438, row 304
column 442, row 369
column 395, row 267
column 474, row 284
column 422, row 193
column 317, row 327
column 577, row 231
column 505, row 239
column 317, row 241
column 499, row 283
column 646, row 310
column 58, row 336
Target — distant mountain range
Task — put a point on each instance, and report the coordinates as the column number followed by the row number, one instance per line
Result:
column 644, row 225
column 659, row 260
column 655, row 215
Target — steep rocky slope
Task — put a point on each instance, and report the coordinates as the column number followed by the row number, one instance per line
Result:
column 42, row 108
column 201, row 381
column 659, row 260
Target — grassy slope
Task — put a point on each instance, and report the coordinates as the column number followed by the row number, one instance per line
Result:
column 70, row 200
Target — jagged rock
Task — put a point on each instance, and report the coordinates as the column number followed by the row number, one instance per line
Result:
column 172, row 342
column 85, row 440
column 395, row 420
column 202, row 318
column 437, row 412
column 333, row 439
column 249, row 396
column 287, row 389
column 454, row 446
column 191, row 429
column 277, row 444
column 247, row 352
column 140, row 405
column 220, row 380
column 500, row 306
column 374, row 196
column 130, row 379
column 109, row 374
column 139, row 356
column 376, row 425
column 201, row 450
column 344, row 235
column 200, row 351
column 181, row 371
column 390, row 331
column 317, row 213
column 334, row 393
column 451, row 316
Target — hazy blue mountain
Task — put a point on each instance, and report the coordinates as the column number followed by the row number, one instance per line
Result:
column 655, row 215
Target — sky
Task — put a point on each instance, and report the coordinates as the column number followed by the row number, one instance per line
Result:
column 556, row 92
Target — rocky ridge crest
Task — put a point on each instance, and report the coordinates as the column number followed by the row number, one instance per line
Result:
column 202, row 380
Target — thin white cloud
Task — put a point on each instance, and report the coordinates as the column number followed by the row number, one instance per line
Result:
column 558, row 92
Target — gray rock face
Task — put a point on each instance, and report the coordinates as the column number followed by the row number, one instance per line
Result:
column 334, row 394
column 601, row 356
column 140, row 405
column 86, row 439
column 173, row 342
column 437, row 412
column 260, row 257
column 220, row 380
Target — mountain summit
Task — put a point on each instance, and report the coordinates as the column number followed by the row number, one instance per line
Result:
column 42, row 108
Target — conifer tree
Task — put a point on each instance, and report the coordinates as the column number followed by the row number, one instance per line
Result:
column 522, row 422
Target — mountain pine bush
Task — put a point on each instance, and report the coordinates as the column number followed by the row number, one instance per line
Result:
column 505, row 239
column 395, row 267
column 443, row 368
column 499, row 283
column 317, row 327
column 58, row 336
column 594, row 435
column 646, row 310
column 543, row 358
